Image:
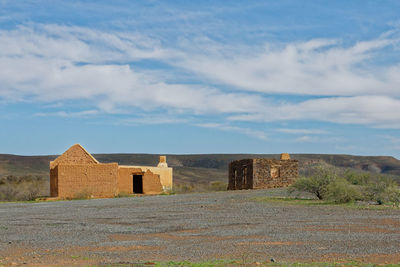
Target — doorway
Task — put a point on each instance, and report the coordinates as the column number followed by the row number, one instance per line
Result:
column 137, row 184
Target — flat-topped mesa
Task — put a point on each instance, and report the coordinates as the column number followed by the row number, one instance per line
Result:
column 285, row 156
column 163, row 162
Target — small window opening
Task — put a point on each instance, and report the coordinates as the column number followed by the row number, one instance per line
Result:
column 275, row 172
column 244, row 177
column 234, row 178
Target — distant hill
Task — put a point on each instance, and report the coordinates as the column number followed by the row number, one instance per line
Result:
column 203, row 168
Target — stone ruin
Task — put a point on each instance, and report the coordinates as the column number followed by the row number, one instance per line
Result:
column 262, row 173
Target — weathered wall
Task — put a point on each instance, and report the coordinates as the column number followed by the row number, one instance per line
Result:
column 125, row 180
column 270, row 173
column 77, row 172
column 262, row 173
column 165, row 174
column 76, row 154
column 151, row 183
column 241, row 174
column 97, row 180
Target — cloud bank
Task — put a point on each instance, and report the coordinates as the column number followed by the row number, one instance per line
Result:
column 325, row 79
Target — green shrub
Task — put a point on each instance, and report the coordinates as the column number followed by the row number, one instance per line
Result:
column 341, row 191
column 357, row 178
column 315, row 184
column 377, row 189
column 347, row 186
column 393, row 195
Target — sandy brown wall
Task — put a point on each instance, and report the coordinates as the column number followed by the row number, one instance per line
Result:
column 165, row 174
column 151, row 183
column 74, row 155
column 97, row 180
column 125, row 181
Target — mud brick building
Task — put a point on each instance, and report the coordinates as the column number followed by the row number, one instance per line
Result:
column 262, row 173
column 77, row 172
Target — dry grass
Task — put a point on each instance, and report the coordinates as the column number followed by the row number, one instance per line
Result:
column 23, row 188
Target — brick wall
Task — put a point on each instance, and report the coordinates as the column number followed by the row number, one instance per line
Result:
column 76, row 154
column 97, row 180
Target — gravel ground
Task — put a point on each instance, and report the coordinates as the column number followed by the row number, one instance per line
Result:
column 203, row 226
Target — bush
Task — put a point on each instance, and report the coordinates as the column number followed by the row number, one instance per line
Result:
column 315, row 184
column 347, row 186
column 28, row 187
column 380, row 189
column 357, row 178
column 393, row 195
column 341, row 191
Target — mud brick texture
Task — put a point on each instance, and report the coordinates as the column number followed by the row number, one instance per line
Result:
column 262, row 173
column 77, row 174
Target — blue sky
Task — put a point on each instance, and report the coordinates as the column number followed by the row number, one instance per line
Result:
column 200, row 76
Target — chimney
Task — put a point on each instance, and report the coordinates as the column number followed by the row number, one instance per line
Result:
column 163, row 162
column 285, row 156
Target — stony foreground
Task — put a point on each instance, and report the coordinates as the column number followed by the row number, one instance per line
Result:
column 222, row 225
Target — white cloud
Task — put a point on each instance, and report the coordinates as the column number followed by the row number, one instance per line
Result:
column 243, row 130
column 316, row 67
column 378, row 111
column 85, row 113
column 301, row 131
column 52, row 64
column 55, row 63
column 152, row 119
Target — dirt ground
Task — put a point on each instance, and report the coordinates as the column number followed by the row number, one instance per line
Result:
column 194, row 227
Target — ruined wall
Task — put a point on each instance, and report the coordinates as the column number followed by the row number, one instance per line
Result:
column 262, row 173
column 165, row 174
column 241, row 174
column 151, row 183
column 76, row 172
column 125, row 179
column 270, row 173
column 97, row 180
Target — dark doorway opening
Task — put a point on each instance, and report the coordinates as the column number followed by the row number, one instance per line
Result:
column 137, row 184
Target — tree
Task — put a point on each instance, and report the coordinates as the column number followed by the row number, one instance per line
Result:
column 316, row 183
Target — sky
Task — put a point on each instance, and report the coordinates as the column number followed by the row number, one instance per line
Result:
column 191, row 77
